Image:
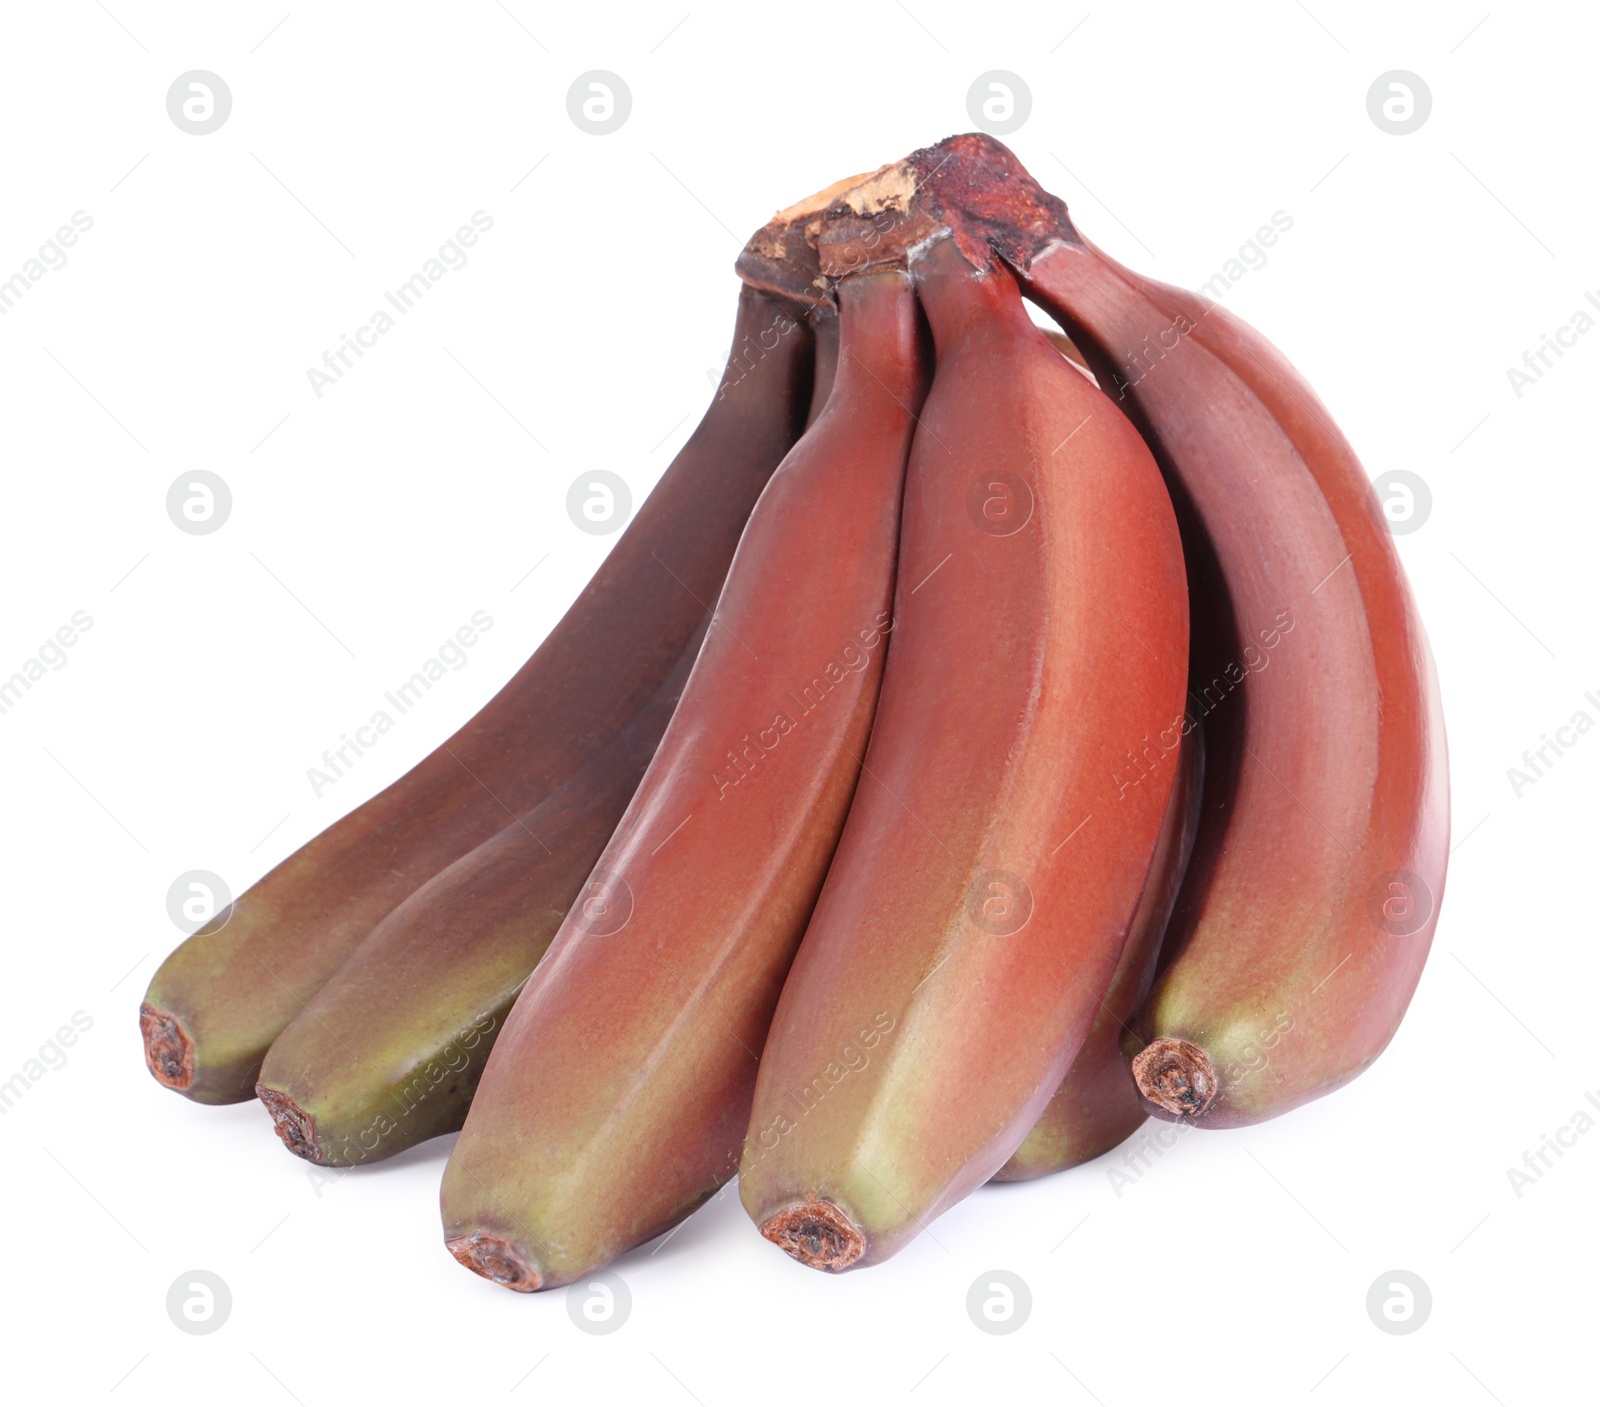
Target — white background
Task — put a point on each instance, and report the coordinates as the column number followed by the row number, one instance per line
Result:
column 369, row 524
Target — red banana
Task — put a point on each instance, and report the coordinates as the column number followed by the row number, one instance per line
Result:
column 615, row 1101
column 223, row 996
column 1310, row 902
column 389, row 1051
column 989, row 870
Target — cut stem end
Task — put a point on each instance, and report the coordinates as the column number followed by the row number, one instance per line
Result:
column 817, row 1234
column 1176, row 1076
column 168, row 1051
column 495, row 1258
column 294, row 1126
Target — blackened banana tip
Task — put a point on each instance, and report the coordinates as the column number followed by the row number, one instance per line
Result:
column 1176, row 1076
column 817, row 1234
column 496, row 1258
column 293, row 1125
column 168, row 1051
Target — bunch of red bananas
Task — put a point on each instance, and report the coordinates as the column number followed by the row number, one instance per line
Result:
column 907, row 869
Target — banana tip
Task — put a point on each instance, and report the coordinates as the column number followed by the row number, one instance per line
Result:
column 168, row 1051
column 293, row 1125
column 817, row 1234
column 1176, row 1076
column 496, row 1258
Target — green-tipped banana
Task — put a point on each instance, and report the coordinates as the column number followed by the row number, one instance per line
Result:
column 222, row 998
column 389, row 1052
